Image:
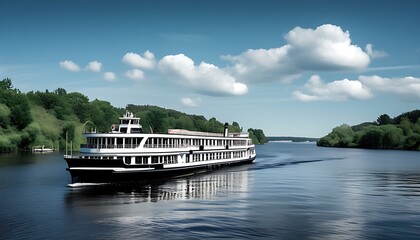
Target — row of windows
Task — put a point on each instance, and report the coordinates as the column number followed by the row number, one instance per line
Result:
column 130, row 121
column 171, row 159
column 111, row 142
column 186, row 142
column 198, row 157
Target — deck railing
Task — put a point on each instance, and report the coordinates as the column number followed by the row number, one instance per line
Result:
column 108, row 146
column 166, row 145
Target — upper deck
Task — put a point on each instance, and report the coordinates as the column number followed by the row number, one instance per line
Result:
column 128, row 124
column 130, row 137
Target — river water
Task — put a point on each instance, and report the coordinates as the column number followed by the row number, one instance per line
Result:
column 291, row 191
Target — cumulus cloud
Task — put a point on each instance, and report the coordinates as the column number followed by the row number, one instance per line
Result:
column 363, row 88
column 406, row 87
column 147, row 61
column 256, row 65
column 327, row 48
column 94, row 66
column 69, row 66
column 374, row 53
column 110, row 76
column 316, row 90
column 191, row 102
column 135, row 74
column 204, row 78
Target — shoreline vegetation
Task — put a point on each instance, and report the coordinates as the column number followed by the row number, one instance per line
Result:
column 47, row 118
column 400, row 133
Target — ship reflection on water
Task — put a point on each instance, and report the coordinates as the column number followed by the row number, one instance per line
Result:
column 204, row 186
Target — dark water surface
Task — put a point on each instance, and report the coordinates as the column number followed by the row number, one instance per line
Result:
column 292, row 191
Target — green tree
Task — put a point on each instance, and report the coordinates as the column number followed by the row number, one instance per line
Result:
column 4, row 115
column 56, row 102
column 412, row 116
column 6, row 144
column 326, row 141
column 103, row 115
column 402, row 132
column 29, row 136
column 235, row 128
column 214, row 126
column 6, row 84
column 69, row 132
column 412, row 142
column 372, row 137
column 47, row 99
column 79, row 104
column 384, row 119
column 342, row 136
column 184, row 122
column 60, row 91
column 257, row 136
column 406, row 126
column 20, row 115
column 17, row 103
column 393, row 137
column 157, row 121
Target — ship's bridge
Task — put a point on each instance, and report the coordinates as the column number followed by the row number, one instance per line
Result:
column 128, row 124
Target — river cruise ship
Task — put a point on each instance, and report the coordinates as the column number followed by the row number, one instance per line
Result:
column 126, row 154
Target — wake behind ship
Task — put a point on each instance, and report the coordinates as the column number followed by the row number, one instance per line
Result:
column 126, row 154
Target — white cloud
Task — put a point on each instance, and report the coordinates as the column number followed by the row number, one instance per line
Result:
column 69, row 66
column 407, row 87
column 135, row 74
column 316, row 90
column 205, row 78
column 110, row 76
column 191, row 102
column 327, row 48
column 374, row 53
column 94, row 66
column 363, row 88
column 137, row 61
column 256, row 65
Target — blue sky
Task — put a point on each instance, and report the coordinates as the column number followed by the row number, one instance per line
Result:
column 295, row 68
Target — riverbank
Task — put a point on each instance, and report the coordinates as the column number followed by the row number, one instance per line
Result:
column 399, row 133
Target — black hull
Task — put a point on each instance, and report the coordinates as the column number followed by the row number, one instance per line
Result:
column 136, row 174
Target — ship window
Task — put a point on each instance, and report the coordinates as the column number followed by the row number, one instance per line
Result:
column 119, row 142
column 155, row 159
column 127, row 160
column 141, row 159
column 123, row 130
column 136, row 130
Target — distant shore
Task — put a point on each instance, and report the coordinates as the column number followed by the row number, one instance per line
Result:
column 292, row 139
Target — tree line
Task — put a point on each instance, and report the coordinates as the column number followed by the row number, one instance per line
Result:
column 49, row 118
column 401, row 132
